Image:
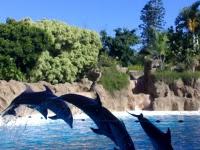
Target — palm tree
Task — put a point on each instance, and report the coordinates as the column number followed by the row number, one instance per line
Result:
column 160, row 47
column 189, row 19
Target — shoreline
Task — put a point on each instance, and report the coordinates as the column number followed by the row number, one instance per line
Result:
column 38, row 119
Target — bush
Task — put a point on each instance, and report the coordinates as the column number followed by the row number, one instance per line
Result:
column 54, row 69
column 46, row 50
column 74, row 50
column 113, row 80
column 8, row 69
column 23, row 43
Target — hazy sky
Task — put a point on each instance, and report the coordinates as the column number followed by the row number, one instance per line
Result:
column 92, row 14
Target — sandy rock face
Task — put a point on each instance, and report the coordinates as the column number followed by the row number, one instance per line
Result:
column 119, row 101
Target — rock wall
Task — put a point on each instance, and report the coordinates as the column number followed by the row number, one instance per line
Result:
column 177, row 96
column 119, row 101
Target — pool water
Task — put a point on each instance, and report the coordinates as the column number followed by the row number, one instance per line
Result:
column 59, row 136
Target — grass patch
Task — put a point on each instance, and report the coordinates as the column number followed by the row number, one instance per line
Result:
column 171, row 76
column 136, row 67
column 113, row 80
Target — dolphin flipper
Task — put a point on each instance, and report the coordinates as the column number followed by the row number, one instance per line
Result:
column 97, row 131
column 100, row 132
column 55, row 117
column 44, row 112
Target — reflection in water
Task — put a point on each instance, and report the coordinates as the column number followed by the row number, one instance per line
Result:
column 57, row 135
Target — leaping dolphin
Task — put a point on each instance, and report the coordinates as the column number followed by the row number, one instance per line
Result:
column 41, row 101
column 31, row 99
column 160, row 140
column 107, row 123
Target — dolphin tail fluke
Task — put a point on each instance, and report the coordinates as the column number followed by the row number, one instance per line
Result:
column 44, row 112
column 97, row 131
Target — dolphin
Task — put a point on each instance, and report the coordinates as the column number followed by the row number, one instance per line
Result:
column 31, row 99
column 107, row 123
column 160, row 140
column 41, row 101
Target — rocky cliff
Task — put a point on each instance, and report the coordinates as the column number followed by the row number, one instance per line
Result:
column 179, row 95
column 119, row 101
column 175, row 96
column 143, row 93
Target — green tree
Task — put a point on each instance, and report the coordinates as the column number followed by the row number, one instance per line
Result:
column 121, row 45
column 179, row 45
column 152, row 16
column 189, row 19
column 22, row 43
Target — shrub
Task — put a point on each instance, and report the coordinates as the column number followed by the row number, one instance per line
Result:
column 113, row 80
column 23, row 43
column 46, row 50
column 8, row 69
column 74, row 50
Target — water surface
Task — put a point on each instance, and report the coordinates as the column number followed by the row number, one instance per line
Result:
column 57, row 135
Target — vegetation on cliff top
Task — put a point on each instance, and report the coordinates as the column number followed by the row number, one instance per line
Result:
column 56, row 52
column 46, row 50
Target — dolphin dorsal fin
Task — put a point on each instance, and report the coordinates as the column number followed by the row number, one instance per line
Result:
column 97, row 131
column 168, row 134
column 28, row 89
column 98, row 100
column 48, row 89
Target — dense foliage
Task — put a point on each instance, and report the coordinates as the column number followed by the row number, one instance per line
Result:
column 73, row 51
column 46, row 50
column 121, row 45
column 56, row 52
column 20, row 46
column 184, row 41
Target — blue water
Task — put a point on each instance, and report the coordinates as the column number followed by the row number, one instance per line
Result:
column 57, row 135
